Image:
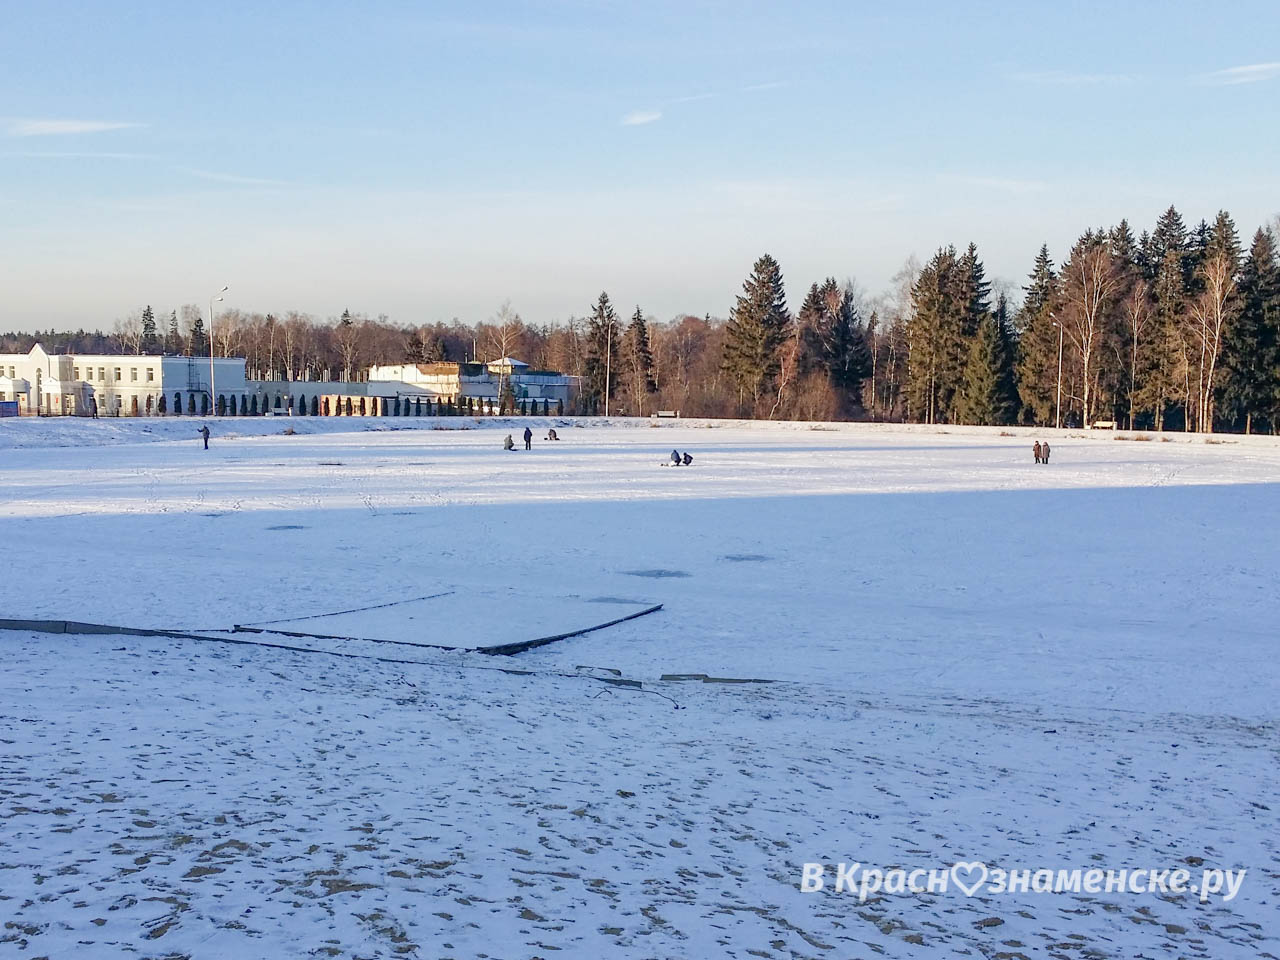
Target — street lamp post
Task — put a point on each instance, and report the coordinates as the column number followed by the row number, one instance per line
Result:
column 1058, row 410
column 213, row 395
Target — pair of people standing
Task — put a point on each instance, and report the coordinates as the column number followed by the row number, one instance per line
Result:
column 509, row 444
column 1041, row 450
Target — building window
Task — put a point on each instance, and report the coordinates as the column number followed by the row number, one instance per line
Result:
column 118, row 377
column 102, row 374
column 151, row 375
column 76, row 372
column 133, row 374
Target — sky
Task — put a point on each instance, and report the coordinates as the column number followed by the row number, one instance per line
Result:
column 432, row 160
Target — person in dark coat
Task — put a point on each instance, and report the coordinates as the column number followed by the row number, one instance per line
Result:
column 204, row 433
column 551, row 434
column 93, row 407
column 1044, row 452
column 687, row 458
column 1036, row 450
column 675, row 458
column 508, row 444
column 528, row 439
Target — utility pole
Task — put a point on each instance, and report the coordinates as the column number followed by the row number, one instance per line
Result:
column 1058, row 412
column 213, row 395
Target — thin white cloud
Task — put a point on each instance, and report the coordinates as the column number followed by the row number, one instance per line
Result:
column 692, row 99
column 1005, row 184
column 53, row 128
column 638, row 118
column 1065, row 78
column 1250, row 73
column 771, row 85
column 74, row 155
column 233, row 178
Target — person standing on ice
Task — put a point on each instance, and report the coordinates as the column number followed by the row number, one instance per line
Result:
column 93, row 408
column 204, row 433
column 528, row 439
column 1044, row 452
column 1036, row 450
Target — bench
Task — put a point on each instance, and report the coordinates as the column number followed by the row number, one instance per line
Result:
column 667, row 413
column 1103, row 425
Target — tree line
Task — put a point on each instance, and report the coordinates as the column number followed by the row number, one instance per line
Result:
column 1175, row 328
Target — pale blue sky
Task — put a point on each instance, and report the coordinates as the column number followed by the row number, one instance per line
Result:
column 427, row 160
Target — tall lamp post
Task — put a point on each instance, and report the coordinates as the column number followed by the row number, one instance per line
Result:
column 213, row 394
column 1057, row 416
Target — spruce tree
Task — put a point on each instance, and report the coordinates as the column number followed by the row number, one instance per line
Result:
column 149, row 341
column 810, row 319
column 1250, row 387
column 1037, row 339
column 758, row 326
column 638, row 361
column 843, row 343
column 603, row 360
column 941, row 299
column 1163, row 370
column 173, row 340
column 987, row 395
column 197, row 339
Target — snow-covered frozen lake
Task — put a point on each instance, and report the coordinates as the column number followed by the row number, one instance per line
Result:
column 975, row 658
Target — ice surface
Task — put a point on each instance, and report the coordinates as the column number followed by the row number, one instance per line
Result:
column 978, row 658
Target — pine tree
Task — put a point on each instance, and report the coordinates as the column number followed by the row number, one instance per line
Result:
column 149, row 340
column 758, row 327
column 603, row 357
column 1250, row 387
column 638, row 361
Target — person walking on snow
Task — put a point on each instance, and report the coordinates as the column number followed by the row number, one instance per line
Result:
column 1036, row 450
column 1044, row 452
column 204, row 433
column 528, row 439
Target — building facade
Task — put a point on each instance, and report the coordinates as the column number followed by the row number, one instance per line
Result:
column 123, row 385
column 482, row 382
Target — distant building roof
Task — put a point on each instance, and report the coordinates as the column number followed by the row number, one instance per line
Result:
column 507, row 362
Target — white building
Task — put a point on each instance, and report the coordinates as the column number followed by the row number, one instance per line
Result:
column 120, row 384
column 481, row 381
